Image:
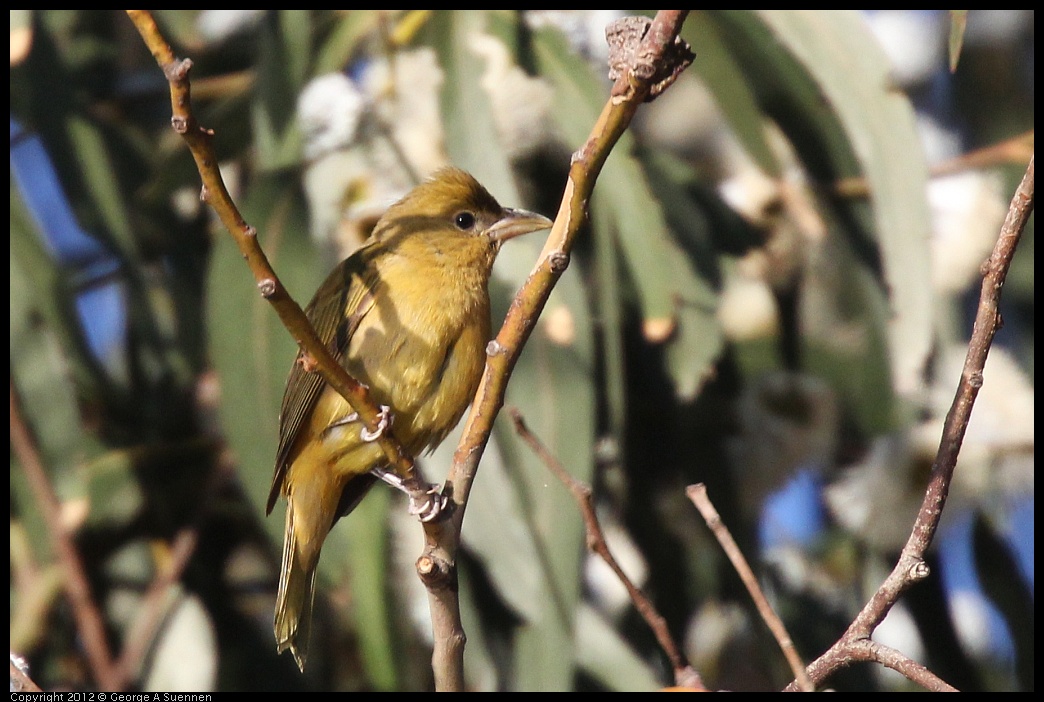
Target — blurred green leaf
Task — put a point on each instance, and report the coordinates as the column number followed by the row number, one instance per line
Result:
column 844, row 326
column 472, row 141
column 359, row 551
column 350, row 27
column 609, row 659
column 672, row 294
column 40, row 366
column 640, row 229
column 692, row 264
column 115, row 494
column 716, row 65
column 100, row 181
column 284, row 50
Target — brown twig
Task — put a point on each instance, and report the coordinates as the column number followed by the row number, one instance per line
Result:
column 684, row 674
column 89, row 622
column 443, row 539
column 911, row 568
column 215, row 194
column 1010, row 151
column 698, row 494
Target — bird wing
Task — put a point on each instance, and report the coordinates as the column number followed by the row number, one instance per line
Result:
column 346, row 289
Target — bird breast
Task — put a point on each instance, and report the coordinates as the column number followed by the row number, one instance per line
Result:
column 422, row 350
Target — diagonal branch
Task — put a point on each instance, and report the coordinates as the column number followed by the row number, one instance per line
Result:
column 698, row 494
column 684, row 674
column 502, row 353
column 911, row 567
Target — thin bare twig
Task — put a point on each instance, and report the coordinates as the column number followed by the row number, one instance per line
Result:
column 684, row 674
column 1010, row 151
column 911, row 567
column 89, row 622
column 698, row 494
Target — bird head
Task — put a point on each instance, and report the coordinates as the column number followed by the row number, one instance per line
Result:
column 452, row 209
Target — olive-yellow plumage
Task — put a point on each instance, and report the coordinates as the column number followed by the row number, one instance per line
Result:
column 408, row 315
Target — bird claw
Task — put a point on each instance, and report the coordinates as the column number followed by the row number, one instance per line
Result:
column 430, row 506
column 426, row 505
column 383, row 423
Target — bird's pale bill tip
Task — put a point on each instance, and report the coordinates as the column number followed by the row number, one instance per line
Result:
column 516, row 223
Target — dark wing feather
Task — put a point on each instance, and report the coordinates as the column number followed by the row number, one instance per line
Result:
column 346, row 288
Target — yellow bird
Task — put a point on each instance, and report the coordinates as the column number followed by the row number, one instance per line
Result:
column 408, row 315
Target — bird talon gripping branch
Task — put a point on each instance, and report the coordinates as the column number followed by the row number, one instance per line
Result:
column 430, row 506
column 384, row 422
column 426, row 505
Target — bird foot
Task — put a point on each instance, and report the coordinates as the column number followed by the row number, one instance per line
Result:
column 426, row 503
column 383, row 423
column 428, row 506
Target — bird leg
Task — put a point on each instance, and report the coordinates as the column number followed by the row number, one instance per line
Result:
column 385, row 421
column 346, row 419
column 425, row 502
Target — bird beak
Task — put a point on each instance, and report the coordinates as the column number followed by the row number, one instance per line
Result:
column 516, row 223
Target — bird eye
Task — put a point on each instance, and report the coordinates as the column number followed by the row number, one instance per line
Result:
column 464, row 220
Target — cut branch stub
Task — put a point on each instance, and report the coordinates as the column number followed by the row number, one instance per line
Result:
column 630, row 55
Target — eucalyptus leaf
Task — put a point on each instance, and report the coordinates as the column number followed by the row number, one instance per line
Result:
column 641, row 231
column 349, row 30
column 718, row 69
column 357, row 551
column 93, row 155
column 284, row 48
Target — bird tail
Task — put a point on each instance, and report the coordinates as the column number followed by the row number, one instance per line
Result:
column 293, row 611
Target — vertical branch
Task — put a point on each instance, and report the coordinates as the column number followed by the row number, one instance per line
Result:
column 987, row 322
